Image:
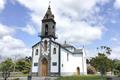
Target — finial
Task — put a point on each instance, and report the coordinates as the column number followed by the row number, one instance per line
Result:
column 49, row 4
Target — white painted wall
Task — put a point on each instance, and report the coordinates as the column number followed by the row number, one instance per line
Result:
column 54, row 57
column 70, row 66
column 35, row 58
column 84, row 61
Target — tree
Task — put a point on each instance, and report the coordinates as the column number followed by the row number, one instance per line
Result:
column 102, row 63
column 104, row 50
column 106, row 64
column 24, row 65
column 117, row 67
column 6, row 67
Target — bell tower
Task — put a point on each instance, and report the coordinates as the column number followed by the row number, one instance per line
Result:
column 48, row 25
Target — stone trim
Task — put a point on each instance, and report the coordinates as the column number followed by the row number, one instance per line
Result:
column 59, row 60
column 54, row 74
column 48, row 59
column 40, row 63
column 49, row 55
column 48, row 20
column 36, row 44
column 34, row 74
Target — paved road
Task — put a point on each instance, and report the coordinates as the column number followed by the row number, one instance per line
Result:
column 39, row 78
column 33, row 78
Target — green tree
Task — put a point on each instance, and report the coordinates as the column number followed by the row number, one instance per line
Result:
column 6, row 67
column 104, row 50
column 101, row 63
column 117, row 67
column 24, row 65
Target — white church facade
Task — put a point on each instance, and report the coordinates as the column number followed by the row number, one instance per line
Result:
column 50, row 58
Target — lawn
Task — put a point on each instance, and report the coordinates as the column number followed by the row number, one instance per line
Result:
column 88, row 77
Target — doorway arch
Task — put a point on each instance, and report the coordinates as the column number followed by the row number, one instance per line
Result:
column 78, row 70
column 44, row 67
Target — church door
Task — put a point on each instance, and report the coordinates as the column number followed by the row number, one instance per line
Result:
column 44, row 70
column 78, row 71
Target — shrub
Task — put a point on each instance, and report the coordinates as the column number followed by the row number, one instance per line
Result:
column 91, row 70
column 16, row 79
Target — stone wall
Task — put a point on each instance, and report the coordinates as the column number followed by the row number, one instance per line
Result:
column 14, row 74
column 113, row 78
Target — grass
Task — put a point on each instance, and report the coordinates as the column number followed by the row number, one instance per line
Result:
column 88, row 77
column 16, row 79
column 20, row 75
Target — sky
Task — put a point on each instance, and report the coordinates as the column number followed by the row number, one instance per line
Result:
column 88, row 23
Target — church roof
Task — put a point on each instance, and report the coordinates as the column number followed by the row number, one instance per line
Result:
column 78, row 51
column 48, row 14
column 67, row 45
column 36, row 44
column 61, row 46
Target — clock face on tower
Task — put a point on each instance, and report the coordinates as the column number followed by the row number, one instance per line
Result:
column 45, row 47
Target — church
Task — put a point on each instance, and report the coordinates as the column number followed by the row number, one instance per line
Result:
column 50, row 58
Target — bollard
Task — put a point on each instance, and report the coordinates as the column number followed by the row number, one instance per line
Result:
column 29, row 77
column 109, row 78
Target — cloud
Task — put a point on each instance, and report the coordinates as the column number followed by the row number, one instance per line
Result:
column 2, row 4
column 80, row 32
column 117, row 4
column 115, row 52
column 68, row 15
column 114, row 39
column 33, row 5
column 10, row 45
column 29, row 29
column 5, row 30
column 71, row 8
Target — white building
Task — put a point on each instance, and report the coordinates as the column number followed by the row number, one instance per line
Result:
column 50, row 58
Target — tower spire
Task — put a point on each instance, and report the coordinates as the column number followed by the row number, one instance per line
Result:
column 49, row 14
column 48, row 25
column 49, row 5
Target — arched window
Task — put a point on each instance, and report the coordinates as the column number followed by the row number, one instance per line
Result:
column 53, row 27
column 45, row 45
column 46, row 29
column 36, row 52
column 54, row 50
